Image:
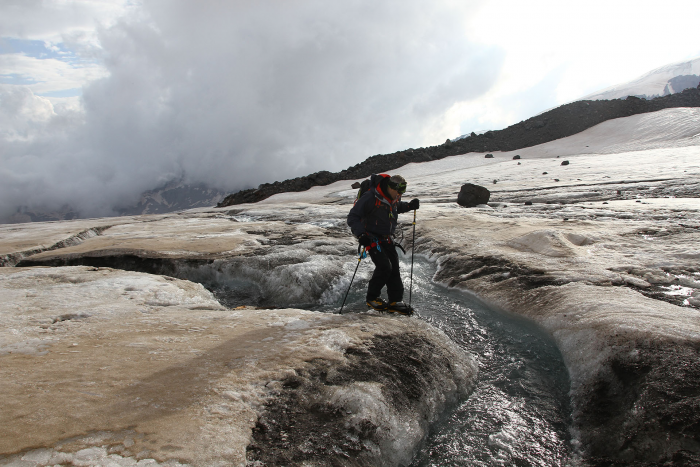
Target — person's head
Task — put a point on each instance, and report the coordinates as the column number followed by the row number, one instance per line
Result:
column 396, row 185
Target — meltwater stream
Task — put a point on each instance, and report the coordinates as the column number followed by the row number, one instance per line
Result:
column 518, row 414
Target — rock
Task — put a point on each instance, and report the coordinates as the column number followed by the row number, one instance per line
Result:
column 495, row 181
column 472, row 134
column 545, row 173
column 471, row 195
column 518, row 163
column 355, row 185
column 516, row 157
column 564, row 162
column 528, row 203
column 489, row 156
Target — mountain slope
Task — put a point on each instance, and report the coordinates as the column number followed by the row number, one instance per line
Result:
column 561, row 122
column 668, row 79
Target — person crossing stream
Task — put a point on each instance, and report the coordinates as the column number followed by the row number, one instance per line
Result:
column 373, row 220
column 519, row 413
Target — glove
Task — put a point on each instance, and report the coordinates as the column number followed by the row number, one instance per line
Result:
column 365, row 240
column 414, row 204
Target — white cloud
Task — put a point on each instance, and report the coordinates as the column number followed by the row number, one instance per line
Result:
column 52, row 20
column 23, row 116
column 584, row 45
column 239, row 93
column 50, row 75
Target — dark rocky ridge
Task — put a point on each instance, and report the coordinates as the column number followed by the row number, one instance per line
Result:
column 561, row 122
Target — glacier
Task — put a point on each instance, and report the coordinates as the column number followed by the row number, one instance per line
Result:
column 604, row 260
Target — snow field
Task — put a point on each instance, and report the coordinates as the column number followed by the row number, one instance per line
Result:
column 646, row 146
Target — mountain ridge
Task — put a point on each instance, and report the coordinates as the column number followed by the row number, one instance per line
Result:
column 563, row 121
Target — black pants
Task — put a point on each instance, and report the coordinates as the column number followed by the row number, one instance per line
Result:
column 387, row 273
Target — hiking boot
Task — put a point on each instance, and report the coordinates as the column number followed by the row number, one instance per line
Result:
column 401, row 308
column 377, row 303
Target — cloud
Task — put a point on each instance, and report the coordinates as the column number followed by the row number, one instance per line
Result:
column 52, row 21
column 49, row 75
column 589, row 44
column 239, row 93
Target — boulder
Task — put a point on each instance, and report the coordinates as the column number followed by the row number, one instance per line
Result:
column 472, row 195
column 516, row 157
column 564, row 162
column 489, row 156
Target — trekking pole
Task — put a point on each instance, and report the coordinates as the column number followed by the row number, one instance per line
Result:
column 413, row 248
column 359, row 259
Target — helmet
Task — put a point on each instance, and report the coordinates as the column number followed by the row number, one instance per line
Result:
column 398, row 183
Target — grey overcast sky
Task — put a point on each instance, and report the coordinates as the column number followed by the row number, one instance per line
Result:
column 101, row 100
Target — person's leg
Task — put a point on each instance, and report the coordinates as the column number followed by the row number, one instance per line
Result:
column 382, row 272
column 394, row 284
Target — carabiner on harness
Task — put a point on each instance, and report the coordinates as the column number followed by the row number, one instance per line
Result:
column 363, row 251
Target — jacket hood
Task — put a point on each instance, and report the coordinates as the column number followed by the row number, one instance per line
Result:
column 375, row 181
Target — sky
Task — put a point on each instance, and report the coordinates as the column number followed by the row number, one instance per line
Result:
column 101, row 100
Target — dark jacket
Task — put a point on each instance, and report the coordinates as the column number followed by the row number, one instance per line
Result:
column 375, row 213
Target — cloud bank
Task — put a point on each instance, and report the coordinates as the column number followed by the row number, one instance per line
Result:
column 239, row 93
column 101, row 100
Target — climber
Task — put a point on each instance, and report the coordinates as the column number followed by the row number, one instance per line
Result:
column 373, row 220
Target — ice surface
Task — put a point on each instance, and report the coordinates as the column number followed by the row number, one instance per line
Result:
column 190, row 376
column 612, row 276
column 89, row 457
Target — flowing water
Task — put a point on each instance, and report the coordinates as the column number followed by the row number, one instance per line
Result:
column 518, row 414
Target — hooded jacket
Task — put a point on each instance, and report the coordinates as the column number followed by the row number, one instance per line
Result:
column 375, row 213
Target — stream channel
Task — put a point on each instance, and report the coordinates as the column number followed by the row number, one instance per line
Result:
column 519, row 413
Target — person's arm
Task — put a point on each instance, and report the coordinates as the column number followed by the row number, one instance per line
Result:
column 405, row 207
